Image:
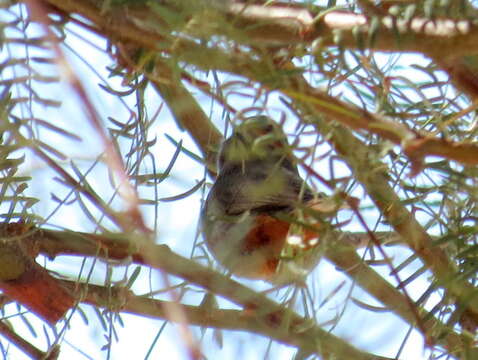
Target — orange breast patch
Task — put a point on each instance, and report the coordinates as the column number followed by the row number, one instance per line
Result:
column 269, row 236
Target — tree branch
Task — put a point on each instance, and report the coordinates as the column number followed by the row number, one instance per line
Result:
column 121, row 247
column 222, row 319
column 282, row 25
column 416, row 144
column 32, row 351
column 368, row 171
column 187, row 112
column 117, row 246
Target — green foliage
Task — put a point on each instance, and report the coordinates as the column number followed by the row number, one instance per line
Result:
column 355, row 118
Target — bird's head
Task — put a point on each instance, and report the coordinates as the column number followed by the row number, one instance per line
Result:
column 256, row 138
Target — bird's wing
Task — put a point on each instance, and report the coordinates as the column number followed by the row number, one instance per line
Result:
column 264, row 192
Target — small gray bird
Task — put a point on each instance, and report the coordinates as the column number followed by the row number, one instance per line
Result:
column 253, row 219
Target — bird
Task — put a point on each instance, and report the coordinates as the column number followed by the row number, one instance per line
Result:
column 254, row 219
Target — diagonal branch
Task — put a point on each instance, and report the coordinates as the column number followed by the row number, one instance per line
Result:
column 121, row 247
column 29, row 349
column 187, row 112
column 213, row 318
column 416, row 144
column 369, row 172
column 283, row 323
